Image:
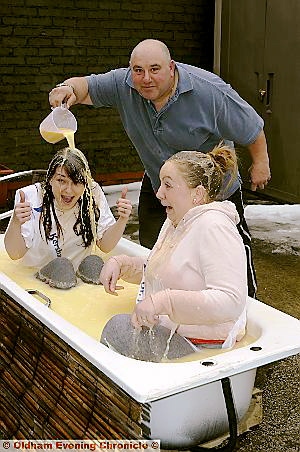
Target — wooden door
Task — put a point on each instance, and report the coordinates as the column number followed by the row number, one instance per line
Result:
column 260, row 58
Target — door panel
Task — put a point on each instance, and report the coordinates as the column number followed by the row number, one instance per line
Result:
column 282, row 71
column 242, row 47
column 260, row 48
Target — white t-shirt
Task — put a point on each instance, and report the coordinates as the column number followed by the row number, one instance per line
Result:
column 69, row 244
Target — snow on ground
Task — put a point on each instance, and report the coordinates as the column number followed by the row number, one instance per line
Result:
column 276, row 224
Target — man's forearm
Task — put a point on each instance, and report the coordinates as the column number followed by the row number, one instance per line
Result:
column 72, row 91
column 80, row 88
column 258, row 149
column 259, row 171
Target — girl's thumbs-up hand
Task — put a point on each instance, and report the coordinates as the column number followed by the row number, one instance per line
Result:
column 124, row 205
column 22, row 210
column 124, row 192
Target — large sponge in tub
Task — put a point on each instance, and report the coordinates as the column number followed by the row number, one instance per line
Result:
column 90, row 268
column 148, row 344
column 58, row 273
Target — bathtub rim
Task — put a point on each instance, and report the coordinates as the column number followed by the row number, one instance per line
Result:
column 147, row 382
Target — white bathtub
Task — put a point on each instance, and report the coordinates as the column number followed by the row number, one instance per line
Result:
column 183, row 403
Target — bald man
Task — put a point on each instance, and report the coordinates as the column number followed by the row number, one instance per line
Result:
column 167, row 106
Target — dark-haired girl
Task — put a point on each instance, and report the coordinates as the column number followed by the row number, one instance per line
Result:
column 66, row 216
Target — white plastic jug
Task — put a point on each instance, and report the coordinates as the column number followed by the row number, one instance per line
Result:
column 59, row 124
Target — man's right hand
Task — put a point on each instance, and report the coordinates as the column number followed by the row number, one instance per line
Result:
column 72, row 91
column 64, row 94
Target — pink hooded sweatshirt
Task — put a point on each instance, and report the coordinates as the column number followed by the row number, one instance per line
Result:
column 196, row 273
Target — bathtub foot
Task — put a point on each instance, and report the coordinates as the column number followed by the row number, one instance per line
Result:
column 232, row 421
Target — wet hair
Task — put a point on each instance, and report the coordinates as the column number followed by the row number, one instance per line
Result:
column 76, row 167
column 211, row 170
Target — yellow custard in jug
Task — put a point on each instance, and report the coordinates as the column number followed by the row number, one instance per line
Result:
column 54, row 137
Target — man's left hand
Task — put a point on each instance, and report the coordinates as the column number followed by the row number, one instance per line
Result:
column 260, row 175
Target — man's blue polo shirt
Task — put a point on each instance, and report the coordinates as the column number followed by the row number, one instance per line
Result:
column 203, row 111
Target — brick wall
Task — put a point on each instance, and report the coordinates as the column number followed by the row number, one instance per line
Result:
column 43, row 43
